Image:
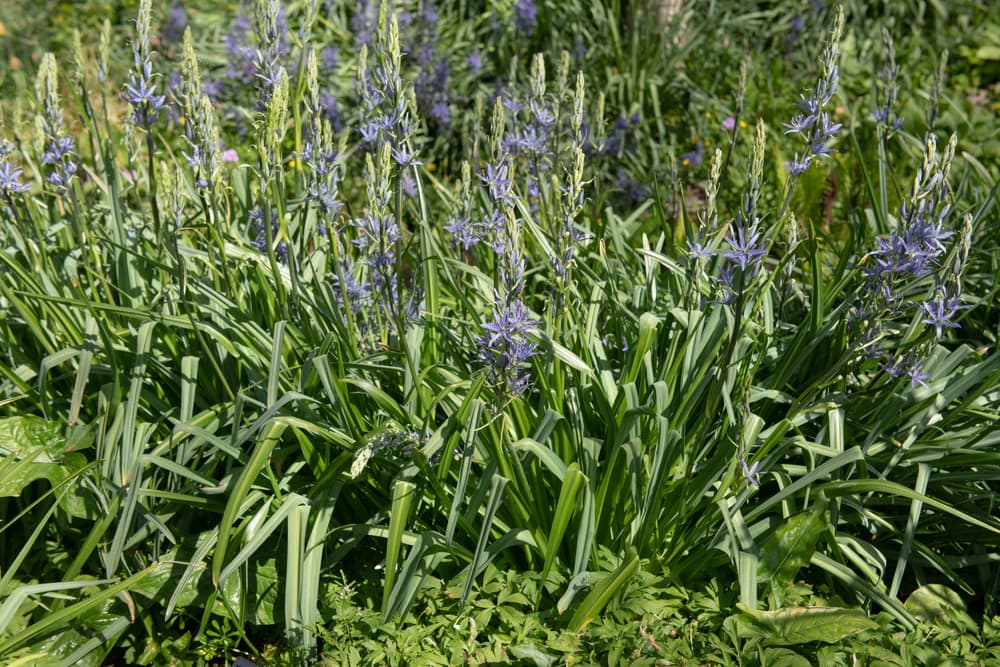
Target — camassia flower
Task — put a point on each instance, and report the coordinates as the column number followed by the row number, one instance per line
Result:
column 140, row 91
column 10, row 179
column 745, row 247
column 939, row 312
column 813, row 122
column 504, row 346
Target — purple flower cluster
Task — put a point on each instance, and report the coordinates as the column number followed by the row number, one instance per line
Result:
column 10, row 178
column 464, row 232
column 940, row 309
column 257, row 47
column 499, row 186
column 384, row 116
column 814, row 123
column 241, row 65
column 744, row 237
column 324, row 175
column 504, row 347
column 260, row 240
column 432, row 84
column 918, row 242
column 349, row 290
column 694, row 157
column 271, row 30
column 176, row 22
column 396, row 440
column 908, row 364
column 525, row 16
column 630, row 191
column 622, row 135
column 364, row 22
column 741, row 244
column 913, row 251
column 59, row 150
column 140, row 91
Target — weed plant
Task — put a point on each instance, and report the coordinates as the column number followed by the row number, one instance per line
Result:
column 415, row 324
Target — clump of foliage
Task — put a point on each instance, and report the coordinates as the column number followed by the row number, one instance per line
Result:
column 375, row 334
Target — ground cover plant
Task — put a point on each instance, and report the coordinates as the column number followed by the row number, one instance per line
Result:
column 523, row 332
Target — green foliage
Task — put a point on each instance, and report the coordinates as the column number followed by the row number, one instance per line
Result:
column 242, row 414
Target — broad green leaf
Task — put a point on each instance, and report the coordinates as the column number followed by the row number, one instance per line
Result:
column 88, row 646
column 800, row 625
column 939, row 605
column 572, row 482
column 791, row 546
column 269, row 437
column 257, row 538
column 404, row 497
column 33, row 436
column 533, row 653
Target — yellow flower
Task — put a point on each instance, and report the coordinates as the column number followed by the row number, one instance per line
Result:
column 743, row 125
column 431, row 166
column 708, row 143
column 685, row 162
column 3, row 29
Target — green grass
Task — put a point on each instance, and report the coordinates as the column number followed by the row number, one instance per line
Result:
column 205, row 453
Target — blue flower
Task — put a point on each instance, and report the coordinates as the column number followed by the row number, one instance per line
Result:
column 939, row 311
column 693, row 157
column 10, row 181
column 141, row 94
column 463, row 231
column 405, row 157
column 745, row 249
column 525, row 16
column 698, row 250
column 498, row 181
column 173, row 27
column 751, row 474
column 504, row 347
column 474, row 61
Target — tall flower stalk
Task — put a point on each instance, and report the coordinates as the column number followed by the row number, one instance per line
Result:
column 140, row 93
column 504, row 346
column 270, row 137
column 569, row 205
column 911, row 253
column 57, row 148
column 814, row 123
column 387, row 130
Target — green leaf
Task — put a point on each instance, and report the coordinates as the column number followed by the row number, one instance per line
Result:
column 799, row 625
column 531, row 652
column 404, row 496
column 783, row 657
column 939, row 605
column 572, row 482
column 32, row 448
column 269, row 437
column 60, row 620
column 791, row 546
column 598, row 599
column 30, row 435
